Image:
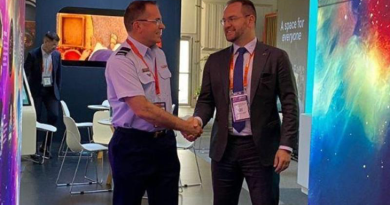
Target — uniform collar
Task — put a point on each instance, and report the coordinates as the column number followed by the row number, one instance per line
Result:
column 250, row 47
column 143, row 50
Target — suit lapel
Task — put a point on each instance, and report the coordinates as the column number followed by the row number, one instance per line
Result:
column 53, row 62
column 259, row 61
column 225, row 66
column 39, row 57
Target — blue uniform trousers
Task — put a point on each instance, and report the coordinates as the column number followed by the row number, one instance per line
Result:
column 142, row 162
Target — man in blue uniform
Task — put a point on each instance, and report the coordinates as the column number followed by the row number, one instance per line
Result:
column 142, row 151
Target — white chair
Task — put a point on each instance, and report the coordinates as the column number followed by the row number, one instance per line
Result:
column 74, row 145
column 49, row 129
column 183, row 144
column 106, row 103
column 102, row 134
column 87, row 125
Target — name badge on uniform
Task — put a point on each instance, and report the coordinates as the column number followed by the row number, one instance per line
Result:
column 46, row 81
column 240, row 108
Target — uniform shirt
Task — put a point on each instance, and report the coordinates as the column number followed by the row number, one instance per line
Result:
column 47, row 65
column 128, row 76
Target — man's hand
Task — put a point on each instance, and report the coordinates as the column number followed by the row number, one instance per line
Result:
column 195, row 124
column 282, row 160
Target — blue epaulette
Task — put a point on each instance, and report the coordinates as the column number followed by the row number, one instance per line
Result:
column 123, row 51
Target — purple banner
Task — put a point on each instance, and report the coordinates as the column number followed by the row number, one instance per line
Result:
column 11, row 58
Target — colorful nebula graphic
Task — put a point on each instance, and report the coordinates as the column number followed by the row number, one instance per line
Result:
column 11, row 67
column 350, row 146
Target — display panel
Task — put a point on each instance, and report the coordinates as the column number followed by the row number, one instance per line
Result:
column 11, row 57
column 350, row 149
column 89, row 35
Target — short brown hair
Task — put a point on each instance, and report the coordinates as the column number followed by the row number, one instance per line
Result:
column 52, row 36
column 248, row 8
column 134, row 11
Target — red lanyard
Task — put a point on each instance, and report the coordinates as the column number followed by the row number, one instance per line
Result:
column 155, row 76
column 245, row 74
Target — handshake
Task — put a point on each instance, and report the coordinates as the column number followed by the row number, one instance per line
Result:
column 192, row 130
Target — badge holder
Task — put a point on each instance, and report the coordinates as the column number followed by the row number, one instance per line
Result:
column 240, row 108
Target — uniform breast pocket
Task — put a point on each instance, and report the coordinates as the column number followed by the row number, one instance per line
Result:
column 146, row 78
column 165, row 74
column 147, row 82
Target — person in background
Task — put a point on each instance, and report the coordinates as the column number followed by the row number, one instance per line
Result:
column 43, row 71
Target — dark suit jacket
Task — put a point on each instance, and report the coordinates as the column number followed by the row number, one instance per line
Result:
column 33, row 69
column 272, row 77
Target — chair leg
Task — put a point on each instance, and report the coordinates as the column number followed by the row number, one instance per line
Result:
column 197, row 165
column 88, row 192
column 200, row 177
column 51, row 141
column 62, row 164
column 44, row 148
column 86, row 170
column 75, row 172
column 62, row 144
column 180, row 186
column 89, row 135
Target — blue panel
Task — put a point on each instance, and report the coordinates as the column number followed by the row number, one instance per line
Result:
column 349, row 162
column 313, row 10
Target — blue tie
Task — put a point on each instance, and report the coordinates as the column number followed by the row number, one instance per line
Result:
column 238, row 85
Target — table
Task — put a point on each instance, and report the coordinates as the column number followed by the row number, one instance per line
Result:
column 98, row 107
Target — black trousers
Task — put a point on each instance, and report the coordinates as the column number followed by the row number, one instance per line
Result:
column 47, row 98
column 241, row 160
column 142, row 163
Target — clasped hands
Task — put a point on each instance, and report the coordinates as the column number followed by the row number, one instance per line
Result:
column 193, row 129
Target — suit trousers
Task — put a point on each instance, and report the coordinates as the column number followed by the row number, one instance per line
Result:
column 48, row 99
column 241, row 160
column 141, row 162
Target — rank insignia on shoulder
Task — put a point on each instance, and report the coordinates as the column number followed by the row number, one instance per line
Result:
column 122, row 51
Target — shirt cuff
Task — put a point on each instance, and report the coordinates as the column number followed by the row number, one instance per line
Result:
column 200, row 120
column 286, row 148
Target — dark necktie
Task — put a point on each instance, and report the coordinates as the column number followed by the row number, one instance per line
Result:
column 238, row 85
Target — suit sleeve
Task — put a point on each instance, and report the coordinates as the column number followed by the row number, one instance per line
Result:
column 59, row 73
column 28, row 65
column 288, row 95
column 205, row 105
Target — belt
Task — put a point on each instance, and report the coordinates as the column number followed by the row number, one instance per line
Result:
column 133, row 131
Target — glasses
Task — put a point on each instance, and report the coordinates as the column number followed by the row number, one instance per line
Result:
column 158, row 22
column 231, row 19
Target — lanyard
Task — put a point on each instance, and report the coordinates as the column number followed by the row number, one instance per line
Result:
column 155, row 76
column 245, row 74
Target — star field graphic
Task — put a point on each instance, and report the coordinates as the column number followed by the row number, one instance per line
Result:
column 350, row 146
column 11, row 67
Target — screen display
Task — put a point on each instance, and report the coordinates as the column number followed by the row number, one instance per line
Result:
column 89, row 37
column 25, row 96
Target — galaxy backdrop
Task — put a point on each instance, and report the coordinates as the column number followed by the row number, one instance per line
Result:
column 11, row 67
column 350, row 147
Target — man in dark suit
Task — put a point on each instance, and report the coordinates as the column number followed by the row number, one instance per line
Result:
column 243, row 83
column 43, row 70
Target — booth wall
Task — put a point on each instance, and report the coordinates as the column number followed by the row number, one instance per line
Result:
column 86, row 85
column 350, row 146
column 292, row 36
column 11, row 62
